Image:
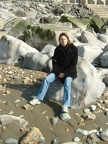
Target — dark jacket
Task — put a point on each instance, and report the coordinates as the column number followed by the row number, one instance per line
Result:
column 65, row 60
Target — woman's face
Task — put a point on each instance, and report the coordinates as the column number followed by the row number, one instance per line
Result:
column 63, row 40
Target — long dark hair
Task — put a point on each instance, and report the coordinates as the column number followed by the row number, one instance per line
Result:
column 64, row 34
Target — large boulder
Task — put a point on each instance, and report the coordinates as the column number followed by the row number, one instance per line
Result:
column 89, row 51
column 104, row 59
column 11, row 49
column 87, row 36
column 17, row 26
column 86, row 88
column 35, row 61
column 41, row 60
column 90, row 37
column 42, row 34
column 96, row 23
column 103, row 37
column 76, row 22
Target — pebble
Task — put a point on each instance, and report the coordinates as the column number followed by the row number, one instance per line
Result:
column 17, row 101
column 54, row 121
column 93, row 107
column 76, row 139
column 106, row 113
column 86, row 110
column 55, row 141
column 72, row 143
column 10, row 141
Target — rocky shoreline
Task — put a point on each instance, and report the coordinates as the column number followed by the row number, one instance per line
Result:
column 37, row 25
column 17, row 87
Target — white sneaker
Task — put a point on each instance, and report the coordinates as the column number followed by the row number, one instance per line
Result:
column 35, row 101
column 64, row 109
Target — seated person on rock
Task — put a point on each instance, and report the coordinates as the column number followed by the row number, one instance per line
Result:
column 64, row 63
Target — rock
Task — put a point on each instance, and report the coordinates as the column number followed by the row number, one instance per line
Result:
column 5, row 119
column 33, row 136
column 93, row 107
column 89, row 115
column 55, row 141
column 85, row 132
column 10, row 141
column 35, row 61
column 80, row 23
column 72, row 143
column 86, row 76
column 103, row 37
column 13, row 49
column 86, row 110
column 47, row 34
column 92, row 139
column 106, row 113
column 104, row 60
column 76, row 139
column 86, row 88
column 27, row 107
column 105, row 80
column 104, row 135
column 54, row 121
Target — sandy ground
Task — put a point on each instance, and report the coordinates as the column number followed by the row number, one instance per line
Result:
column 41, row 115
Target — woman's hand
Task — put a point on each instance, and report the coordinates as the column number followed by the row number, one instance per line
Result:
column 61, row 75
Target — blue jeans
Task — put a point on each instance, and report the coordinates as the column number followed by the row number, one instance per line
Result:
column 49, row 79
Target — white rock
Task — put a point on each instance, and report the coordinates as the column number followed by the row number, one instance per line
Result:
column 104, row 135
column 13, row 48
column 76, row 139
column 93, row 107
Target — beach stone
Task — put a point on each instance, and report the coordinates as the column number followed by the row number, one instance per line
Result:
column 27, row 107
column 72, row 143
column 33, row 136
column 86, row 110
column 55, row 141
column 10, row 141
column 89, row 115
column 106, row 113
column 104, row 59
column 92, row 139
column 104, row 135
column 65, row 116
column 54, row 121
column 76, row 139
column 5, row 119
column 93, row 107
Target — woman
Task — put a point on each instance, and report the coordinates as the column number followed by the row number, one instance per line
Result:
column 64, row 63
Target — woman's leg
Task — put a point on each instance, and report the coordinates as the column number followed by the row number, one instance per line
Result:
column 44, row 87
column 67, row 91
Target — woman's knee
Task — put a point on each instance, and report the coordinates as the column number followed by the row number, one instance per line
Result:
column 68, row 81
column 50, row 77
